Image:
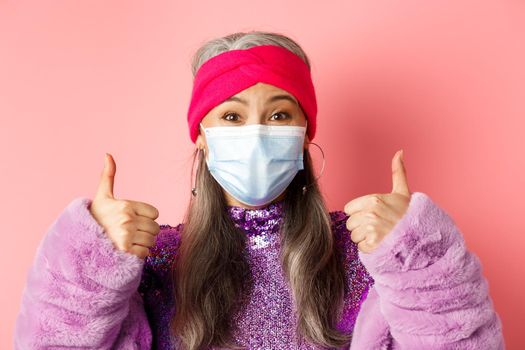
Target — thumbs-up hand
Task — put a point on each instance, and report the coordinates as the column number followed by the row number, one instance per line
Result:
column 373, row 216
column 129, row 224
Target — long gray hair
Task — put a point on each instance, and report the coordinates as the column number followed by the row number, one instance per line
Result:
column 211, row 270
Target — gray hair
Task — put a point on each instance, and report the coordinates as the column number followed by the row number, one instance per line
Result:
column 242, row 41
column 211, row 274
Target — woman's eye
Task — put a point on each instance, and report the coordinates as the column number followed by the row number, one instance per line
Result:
column 227, row 115
column 283, row 115
column 233, row 117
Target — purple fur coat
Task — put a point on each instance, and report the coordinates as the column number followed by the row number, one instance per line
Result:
column 427, row 290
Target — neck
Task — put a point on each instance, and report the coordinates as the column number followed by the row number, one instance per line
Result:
column 231, row 201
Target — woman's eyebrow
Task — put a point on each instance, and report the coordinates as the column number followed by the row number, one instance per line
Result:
column 282, row 97
column 271, row 99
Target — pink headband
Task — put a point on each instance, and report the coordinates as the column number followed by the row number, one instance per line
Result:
column 230, row 72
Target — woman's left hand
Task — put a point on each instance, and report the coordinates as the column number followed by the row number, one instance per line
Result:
column 373, row 216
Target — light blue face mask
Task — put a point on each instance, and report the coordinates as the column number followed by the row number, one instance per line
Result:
column 255, row 163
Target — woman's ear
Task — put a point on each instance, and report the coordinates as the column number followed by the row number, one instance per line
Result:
column 199, row 142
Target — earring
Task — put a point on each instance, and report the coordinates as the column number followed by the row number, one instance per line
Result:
column 322, row 168
column 193, row 188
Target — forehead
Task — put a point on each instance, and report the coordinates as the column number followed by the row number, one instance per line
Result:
column 262, row 89
column 258, row 94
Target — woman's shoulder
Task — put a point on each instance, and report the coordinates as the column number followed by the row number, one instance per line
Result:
column 342, row 236
column 165, row 249
column 349, row 253
column 338, row 220
column 168, row 236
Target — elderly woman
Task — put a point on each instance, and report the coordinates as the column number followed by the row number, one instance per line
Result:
column 259, row 262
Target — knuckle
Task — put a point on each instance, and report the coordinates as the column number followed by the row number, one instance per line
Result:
column 376, row 199
column 125, row 205
column 372, row 214
column 348, row 225
column 358, row 236
column 124, row 236
column 125, row 218
column 124, row 246
column 118, row 245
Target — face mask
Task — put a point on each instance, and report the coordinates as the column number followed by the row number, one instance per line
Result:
column 255, row 163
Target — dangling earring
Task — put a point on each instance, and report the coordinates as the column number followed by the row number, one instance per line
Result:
column 322, row 168
column 193, row 188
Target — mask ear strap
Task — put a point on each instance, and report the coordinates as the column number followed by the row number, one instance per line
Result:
column 322, row 168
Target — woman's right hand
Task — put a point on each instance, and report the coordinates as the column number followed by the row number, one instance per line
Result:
column 129, row 224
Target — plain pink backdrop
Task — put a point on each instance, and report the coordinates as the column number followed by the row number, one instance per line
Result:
column 444, row 80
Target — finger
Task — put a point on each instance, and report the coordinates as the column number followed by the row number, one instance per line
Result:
column 144, row 209
column 399, row 178
column 357, row 219
column 357, row 235
column 107, row 179
column 148, row 225
column 362, row 203
column 144, row 239
column 139, row 250
column 364, row 246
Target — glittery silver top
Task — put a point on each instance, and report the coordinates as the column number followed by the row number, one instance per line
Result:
column 267, row 319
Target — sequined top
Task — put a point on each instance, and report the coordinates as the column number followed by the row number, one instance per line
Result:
column 267, row 320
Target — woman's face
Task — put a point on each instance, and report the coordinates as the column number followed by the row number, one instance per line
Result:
column 259, row 104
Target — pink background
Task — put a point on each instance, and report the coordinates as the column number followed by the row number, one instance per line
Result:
column 444, row 80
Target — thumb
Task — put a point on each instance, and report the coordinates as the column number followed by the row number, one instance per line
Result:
column 107, row 179
column 399, row 176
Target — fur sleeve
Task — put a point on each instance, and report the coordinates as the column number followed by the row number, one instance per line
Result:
column 429, row 290
column 81, row 292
